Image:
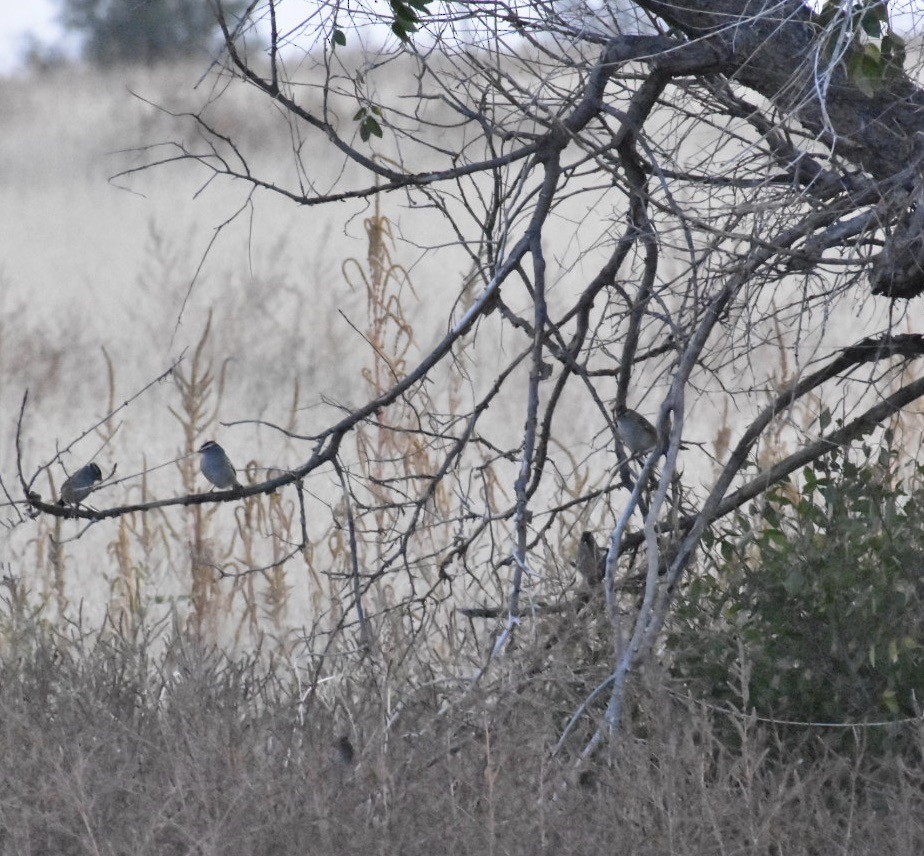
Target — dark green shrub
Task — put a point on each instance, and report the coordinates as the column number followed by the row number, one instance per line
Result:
column 811, row 607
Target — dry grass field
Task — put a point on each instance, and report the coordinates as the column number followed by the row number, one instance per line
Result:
column 99, row 300
column 108, row 747
column 97, row 297
column 149, row 705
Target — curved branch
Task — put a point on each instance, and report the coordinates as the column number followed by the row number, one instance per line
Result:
column 771, row 46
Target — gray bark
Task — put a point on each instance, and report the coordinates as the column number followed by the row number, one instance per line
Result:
column 774, row 48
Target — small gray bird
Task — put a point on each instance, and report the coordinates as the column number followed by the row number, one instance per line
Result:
column 590, row 560
column 79, row 486
column 635, row 431
column 346, row 754
column 216, row 466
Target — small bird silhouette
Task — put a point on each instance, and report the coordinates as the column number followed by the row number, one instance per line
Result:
column 635, row 431
column 79, row 486
column 217, row 467
column 590, row 561
column 345, row 752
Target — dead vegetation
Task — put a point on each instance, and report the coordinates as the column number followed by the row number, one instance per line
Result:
column 158, row 744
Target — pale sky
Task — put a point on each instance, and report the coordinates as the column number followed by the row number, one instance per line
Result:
column 19, row 18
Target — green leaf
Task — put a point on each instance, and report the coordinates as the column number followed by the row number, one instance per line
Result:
column 873, row 53
column 776, row 536
column 374, row 127
column 369, row 127
column 772, row 516
column 359, row 114
column 866, row 70
column 871, row 26
column 875, row 19
column 406, row 16
column 794, row 582
column 828, row 12
column 890, row 701
column 339, row 38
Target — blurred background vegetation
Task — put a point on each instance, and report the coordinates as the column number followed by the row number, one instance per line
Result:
column 127, row 31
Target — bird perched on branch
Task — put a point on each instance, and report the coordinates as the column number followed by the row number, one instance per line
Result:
column 635, row 430
column 590, row 560
column 79, row 486
column 638, row 434
column 217, row 467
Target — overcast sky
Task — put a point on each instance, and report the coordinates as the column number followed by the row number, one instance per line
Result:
column 19, row 19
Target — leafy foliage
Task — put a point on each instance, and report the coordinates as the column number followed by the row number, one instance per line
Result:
column 404, row 22
column 813, row 607
column 406, row 17
column 873, row 53
column 126, row 31
column 368, row 125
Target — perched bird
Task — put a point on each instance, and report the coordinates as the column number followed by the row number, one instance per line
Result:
column 590, row 560
column 635, row 431
column 346, row 754
column 216, row 467
column 79, row 486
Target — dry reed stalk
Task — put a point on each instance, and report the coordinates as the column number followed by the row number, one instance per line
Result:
column 125, row 606
column 125, row 591
column 393, row 449
column 55, row 564
column 281, row 522
column 200, row 392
